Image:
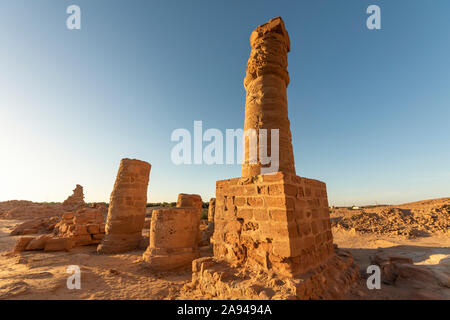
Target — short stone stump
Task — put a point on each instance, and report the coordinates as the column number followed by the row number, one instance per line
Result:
column 173, row 239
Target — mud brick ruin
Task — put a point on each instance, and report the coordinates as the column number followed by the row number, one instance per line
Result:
column 174, row 234
column 271, row 226
column 126, row 214
column 84, row 227
column 76, row 200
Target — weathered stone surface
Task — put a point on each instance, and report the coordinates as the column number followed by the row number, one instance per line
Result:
column 58, row 244
column 192, row 201
column 34, row 226
column 84, row 227
column 211, row 209
column 22, row 243
column 76, row 200
column 127, row 206
column 278, row 221
column 216, row 278
column 173, row 238
column 38, row 243
column 266, row 102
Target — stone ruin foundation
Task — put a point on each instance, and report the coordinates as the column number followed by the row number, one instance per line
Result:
column 126, row 214
column 174, row 235
column 272, row 232
column 83, row 227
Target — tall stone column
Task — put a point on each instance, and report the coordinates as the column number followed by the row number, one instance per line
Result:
column 272, row 227
column 127, row 207
column 266, row 102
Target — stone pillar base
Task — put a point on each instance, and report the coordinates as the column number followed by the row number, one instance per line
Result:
column 118, row 243
column 168, row 261
column 217, row 279
column 278, row 222
column 173, row 239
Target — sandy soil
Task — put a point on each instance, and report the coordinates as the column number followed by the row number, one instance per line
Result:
column 41, row 275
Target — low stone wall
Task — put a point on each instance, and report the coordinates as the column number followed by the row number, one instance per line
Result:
column 85, row 227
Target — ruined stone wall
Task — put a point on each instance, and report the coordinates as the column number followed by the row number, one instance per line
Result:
column 126, row 214
column 173, row 238
column 84, row 227
column 266, row 101
column 275, row 221
column 76, row 200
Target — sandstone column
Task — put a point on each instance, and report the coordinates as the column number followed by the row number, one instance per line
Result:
column 192, row 201
column 127, row 207
column 211, row 210
column 173, row 238
column 266, row 103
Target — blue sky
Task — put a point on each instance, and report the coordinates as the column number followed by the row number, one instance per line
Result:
column 369, row 110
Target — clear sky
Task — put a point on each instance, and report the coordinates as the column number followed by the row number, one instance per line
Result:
column 369, row 110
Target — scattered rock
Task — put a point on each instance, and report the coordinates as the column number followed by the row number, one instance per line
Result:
column 22, row 243
column 38, row 243
column 114, row 272
column 58, row 244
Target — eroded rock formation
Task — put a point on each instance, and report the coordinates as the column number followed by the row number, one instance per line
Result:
column 127, row 205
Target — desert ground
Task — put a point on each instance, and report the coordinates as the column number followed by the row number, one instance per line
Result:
column 418, row 231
